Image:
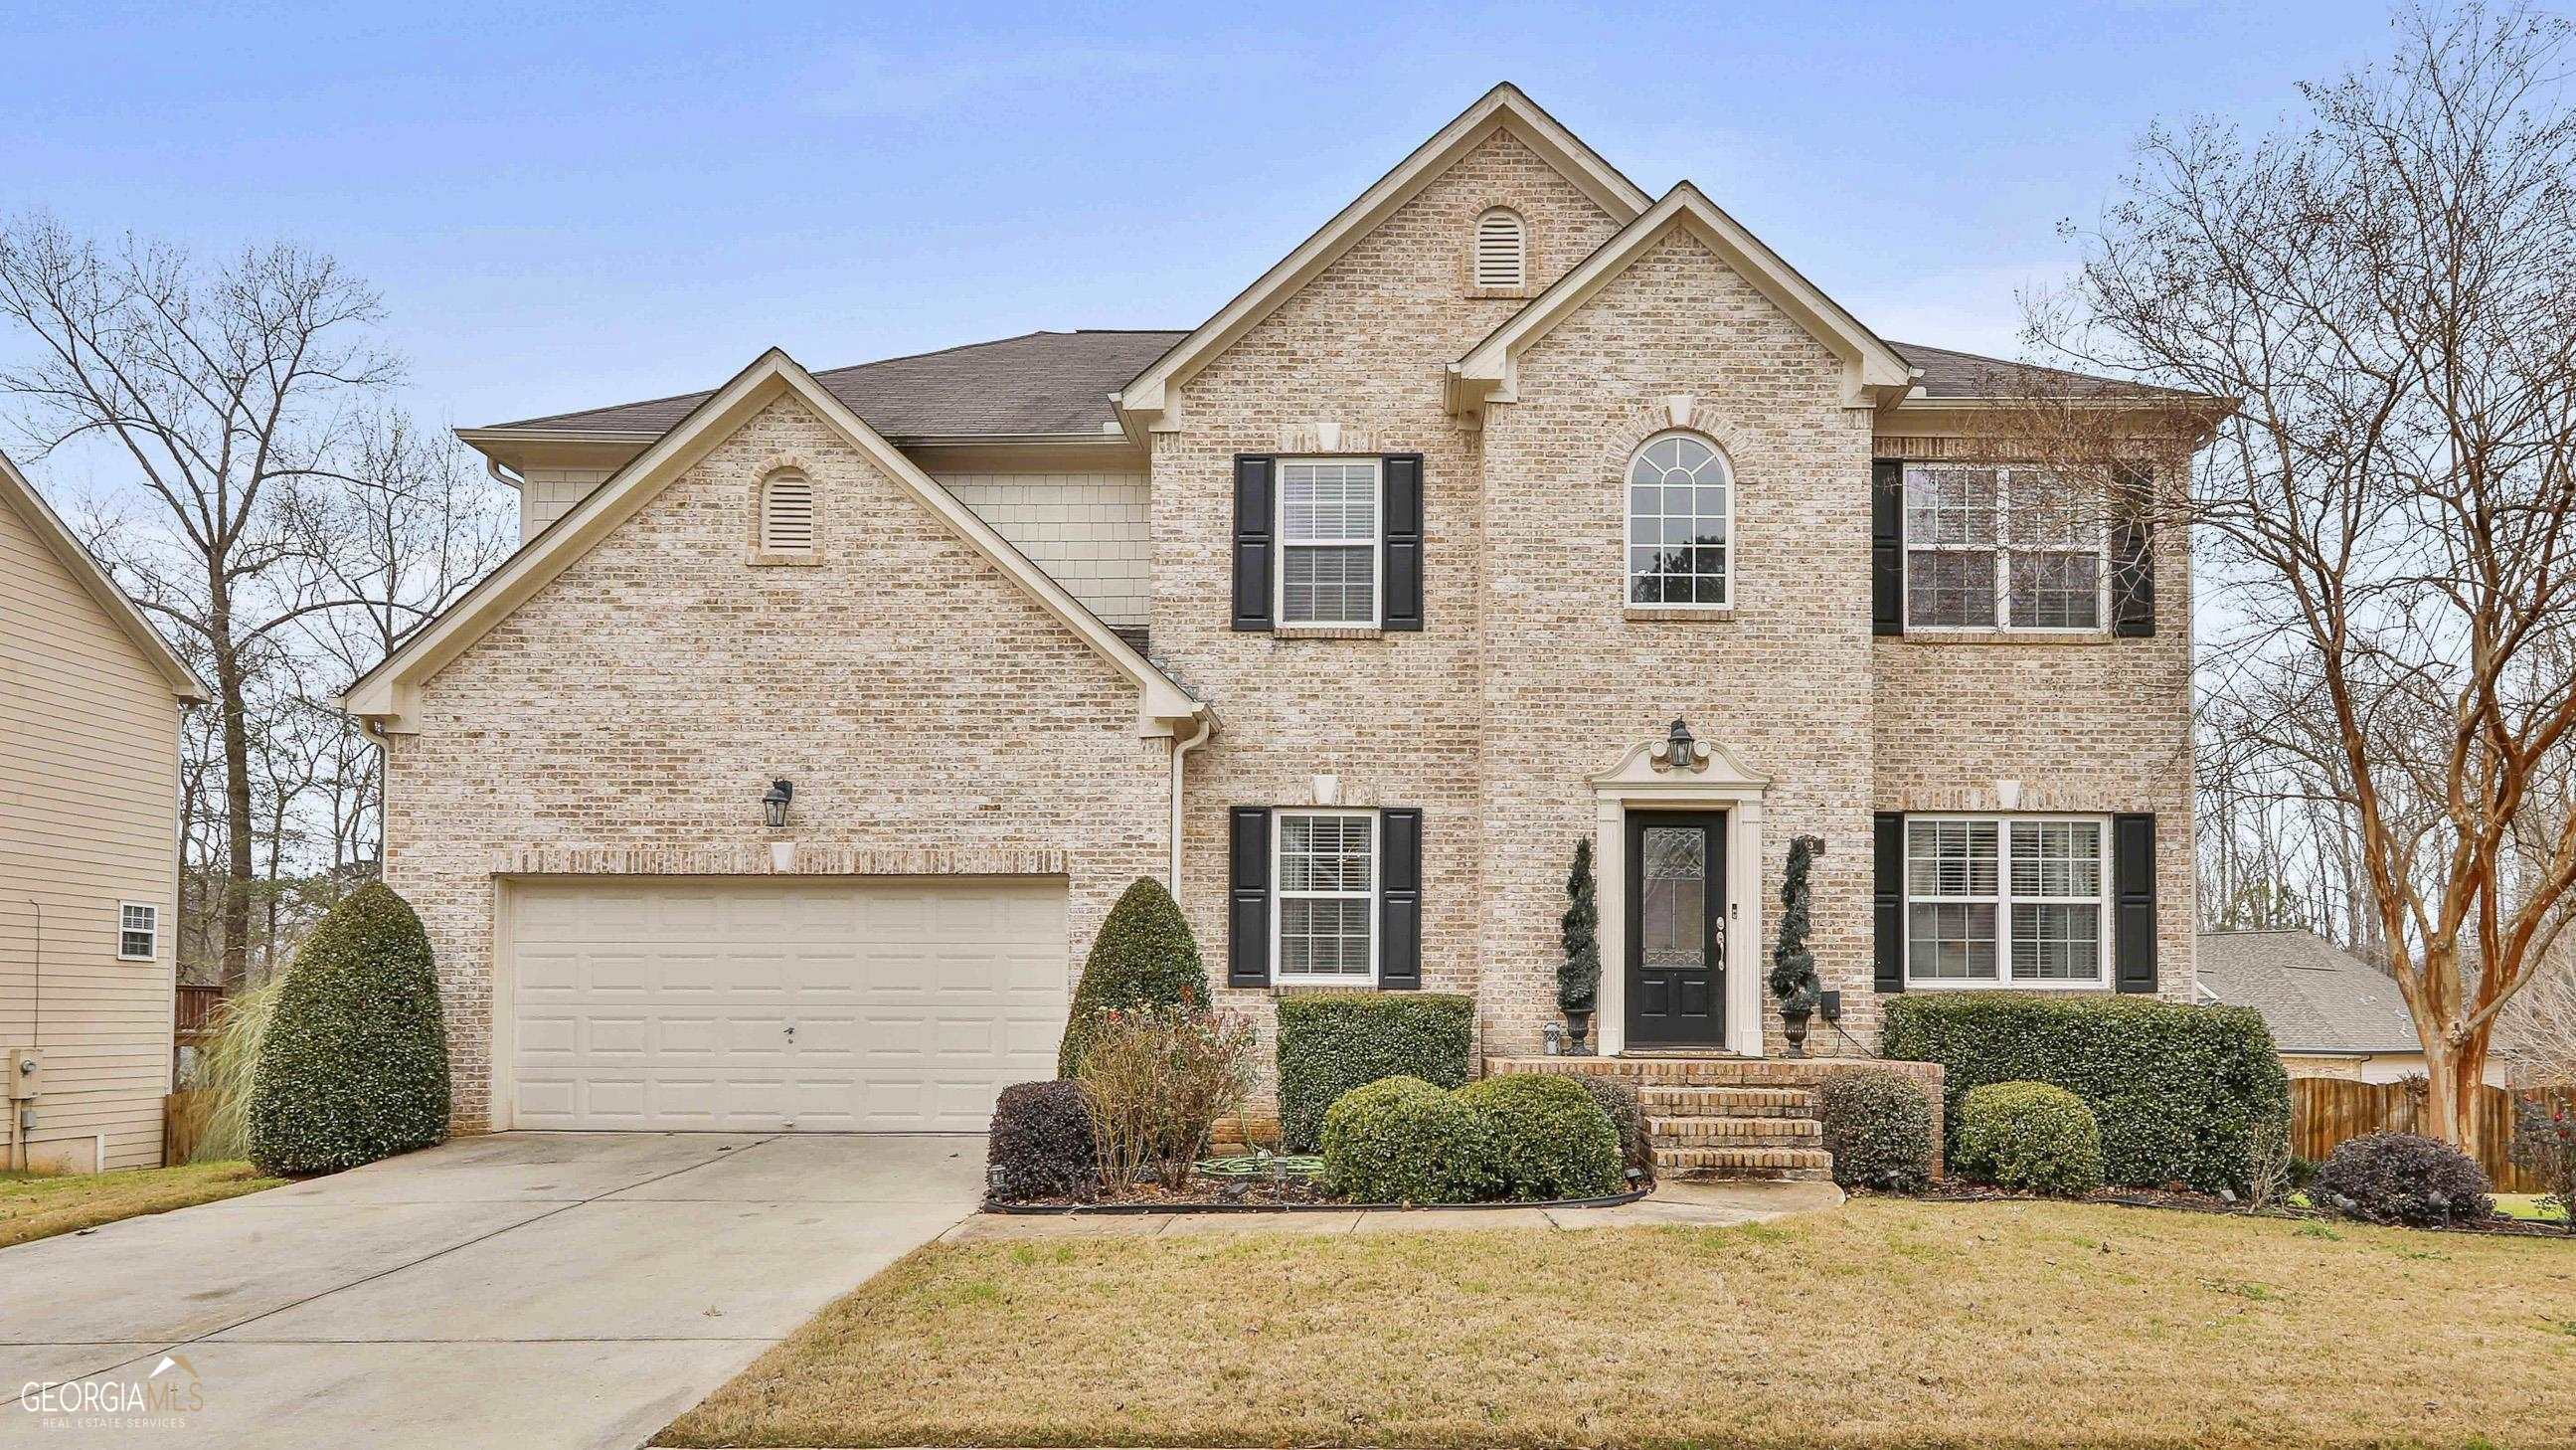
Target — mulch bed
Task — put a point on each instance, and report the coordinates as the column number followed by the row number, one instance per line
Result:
column 2184, row 1200
column 1259, row 1195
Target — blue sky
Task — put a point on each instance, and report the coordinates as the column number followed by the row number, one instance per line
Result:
column 583, row 204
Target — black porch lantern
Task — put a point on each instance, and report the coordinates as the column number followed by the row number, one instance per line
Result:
column 1681, row 751
column 773, row 803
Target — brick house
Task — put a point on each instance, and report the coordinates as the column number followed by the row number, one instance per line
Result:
column 1350, row 612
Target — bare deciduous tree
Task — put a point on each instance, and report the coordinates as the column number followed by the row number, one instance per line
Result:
column 2387, row 294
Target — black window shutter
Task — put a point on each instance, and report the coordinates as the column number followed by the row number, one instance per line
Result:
column 1399, row 906
column 1247, row 917
column 1403, row 541
column 1887, row 550
column 1253, row 539
column 1887, row 900
column 2133, row 560
column 2133, row 902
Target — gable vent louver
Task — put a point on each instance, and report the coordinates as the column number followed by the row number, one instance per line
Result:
column 1501, row 250
column 787, row 514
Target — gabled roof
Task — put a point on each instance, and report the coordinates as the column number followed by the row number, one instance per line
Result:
column 389, row 692
column 1503, row 107
column 1872, row 370
column 1037, row 384
column 2315, row 996
column 21, row 496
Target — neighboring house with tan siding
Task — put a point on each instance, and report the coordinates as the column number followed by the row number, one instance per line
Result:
column 90, row 705
column 1349, row 611
column 2331, row 1013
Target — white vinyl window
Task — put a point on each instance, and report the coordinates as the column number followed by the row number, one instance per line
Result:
column 1681, row 521
column 1502, row 250
column 138, row 931
column 1325, row 911
column 1329, row 559
column 787, row 513
column 2002, row 548
column 2009, row 901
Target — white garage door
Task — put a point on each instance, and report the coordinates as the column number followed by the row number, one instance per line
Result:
column 861, row 1005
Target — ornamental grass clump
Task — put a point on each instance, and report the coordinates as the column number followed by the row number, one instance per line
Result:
column 1402, row 1140
column 227, row 1065
column 1157, row 1080
column 1548, row 1139
column 2031, row 1137
column 353, row 1065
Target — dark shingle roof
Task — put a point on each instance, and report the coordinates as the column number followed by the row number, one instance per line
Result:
column 1060, row 382
column 1040, row 382
column 2314, row 995
column 1951, row 374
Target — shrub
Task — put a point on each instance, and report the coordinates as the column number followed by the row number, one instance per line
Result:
column 1878, row 1126
column 1144, row 956
column 2030, row 1136
column 1618, row 1102
column 2544, row 1145
column 1041, row 1143
column 353, row 1066
column 2179, row 1091
column 2402, row 1178
column 1402, row 1140
column 1548, row 1138
column 227, row 1065
column 1332, row 1043
column 1157, row 1079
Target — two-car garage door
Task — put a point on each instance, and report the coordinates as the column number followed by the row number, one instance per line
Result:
column 876, row 1004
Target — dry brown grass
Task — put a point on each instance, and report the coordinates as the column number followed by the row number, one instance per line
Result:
column 1887, row 1323
column 35, row 1206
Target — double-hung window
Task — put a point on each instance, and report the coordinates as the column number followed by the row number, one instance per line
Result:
column 1329, row 550
column 2009, row 901
column 138, row 931
column 2001, row 548
column 1326, row 876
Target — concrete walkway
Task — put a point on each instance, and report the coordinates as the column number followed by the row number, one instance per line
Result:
column 1676, row 1204
column 524, row 1289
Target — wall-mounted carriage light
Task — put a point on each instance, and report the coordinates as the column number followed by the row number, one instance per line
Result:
column 773, row 804
column 1678, row 750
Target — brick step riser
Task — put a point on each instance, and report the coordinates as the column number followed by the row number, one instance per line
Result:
column 1692, row 1102
column 1803, row 1163
column 1736, row 1132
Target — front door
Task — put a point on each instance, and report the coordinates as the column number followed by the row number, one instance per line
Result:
column 1676, row 929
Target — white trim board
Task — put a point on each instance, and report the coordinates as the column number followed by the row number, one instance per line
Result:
column 1720, row 784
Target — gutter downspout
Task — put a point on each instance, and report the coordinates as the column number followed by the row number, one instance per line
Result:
column 1180, row 749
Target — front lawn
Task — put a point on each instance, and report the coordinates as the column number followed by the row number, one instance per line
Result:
column 35, row 1206
column 1887, row 1323
column 2526, row 1206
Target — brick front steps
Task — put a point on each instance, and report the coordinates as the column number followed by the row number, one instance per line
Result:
column 1717, row 1116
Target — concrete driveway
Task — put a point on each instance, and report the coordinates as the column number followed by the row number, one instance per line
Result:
column 523, row 1289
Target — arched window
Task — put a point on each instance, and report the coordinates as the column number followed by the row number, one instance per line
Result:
column 1502, row 250
column 787, row 513
column 1681, row 514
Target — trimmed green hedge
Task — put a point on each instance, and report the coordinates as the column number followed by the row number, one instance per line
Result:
column 1330, row 1043
column 2029, row 1135
column 1144, row 956
column 1878, row 1126
column 2180, row 1092
column 353, row 1066
column 1401, row 1140
column 1548, row 1138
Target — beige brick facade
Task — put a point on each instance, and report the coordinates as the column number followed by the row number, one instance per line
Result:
column 636, row 704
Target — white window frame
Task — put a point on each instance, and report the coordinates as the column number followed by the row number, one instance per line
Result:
column 1628, row 526
column 1280, row 894
column 2001, row 549
column 154, row 910
column 2004, row 900
column 1376, row 543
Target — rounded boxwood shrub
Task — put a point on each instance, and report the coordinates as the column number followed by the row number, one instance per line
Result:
column 2030, row 1136
column 1878, row 1126
column 1042, row 1143
column 1330, row 1043
column 2182, row 1093
column 1548, row 1138
column 2401, row 1178
column 1144, row 956
column 1402, row 1140
column 353, row 1065
column 1618, row 1101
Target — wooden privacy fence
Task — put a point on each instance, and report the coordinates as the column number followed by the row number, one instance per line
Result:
column 2325, row 1111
